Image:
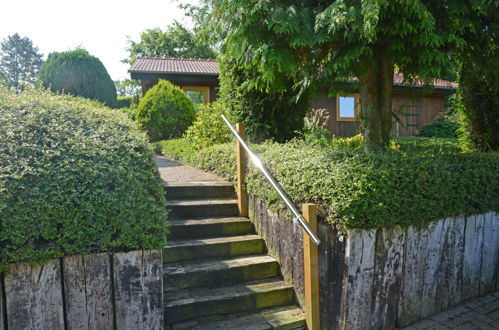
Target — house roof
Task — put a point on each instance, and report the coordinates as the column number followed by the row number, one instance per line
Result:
column 172, row 65
column 196, row 66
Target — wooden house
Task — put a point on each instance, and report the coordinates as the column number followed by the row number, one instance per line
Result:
column 415, row 105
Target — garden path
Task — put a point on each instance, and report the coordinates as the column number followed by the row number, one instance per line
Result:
column 172, row 171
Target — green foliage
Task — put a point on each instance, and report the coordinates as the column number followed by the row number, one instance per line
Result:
column 415, row 181
column 165, row 111
column 78, row 73
column 443, row 127
column 175, row 41
column 75, row 177
column 128, row 87
column 208, row 127
column 124, row 102
column 19, row 62
column 266, row 114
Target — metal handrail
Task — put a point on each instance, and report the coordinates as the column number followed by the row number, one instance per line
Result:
column 259, row 165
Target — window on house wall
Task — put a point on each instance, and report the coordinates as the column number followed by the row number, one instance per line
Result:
column 347, row 107
column 198, row 94
column 411, row 112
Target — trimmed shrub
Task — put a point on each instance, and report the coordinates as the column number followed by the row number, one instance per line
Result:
column 124, row 102
column 266, row 115
column 416, row 181
column 208, row 127
column 443, row 127
column 78, row 73
column 165, row 111
column 75, row 177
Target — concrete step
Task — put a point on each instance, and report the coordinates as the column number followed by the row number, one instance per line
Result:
column 206, row 189
column 217, row 273
column 282, row 318
column 189, row 304
column 218, row 247
column 202, row 208
column 209, row 227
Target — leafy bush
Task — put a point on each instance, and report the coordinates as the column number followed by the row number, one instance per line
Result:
column 75, row 177
column 266, row 115
column 165, row 111
column 124, row 102
column 415, row 181
column 78, row 73
column 208, row 127
column 443, row 127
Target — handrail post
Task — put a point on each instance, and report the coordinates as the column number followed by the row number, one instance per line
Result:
column 242, row 161
column 311, row 269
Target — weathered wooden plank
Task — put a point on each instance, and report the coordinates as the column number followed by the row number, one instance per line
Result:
column 429, row 302
column 490, row 253
column 473, row 242
column 88, row 292
column 454, row 265
column 138, row 287
column 34, row 296
column 311, row 268
column 389, row 260
column 359, row 260
column 242, row 194
column 443, row 276
column 412, row 283
column 2, row 305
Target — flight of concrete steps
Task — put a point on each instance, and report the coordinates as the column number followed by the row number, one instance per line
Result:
column 217, row 274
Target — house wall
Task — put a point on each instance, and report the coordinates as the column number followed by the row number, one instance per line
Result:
column 430, row 107
column 389, row 277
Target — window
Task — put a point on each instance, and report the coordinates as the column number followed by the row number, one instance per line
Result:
column 198, row 94
column 347, row 107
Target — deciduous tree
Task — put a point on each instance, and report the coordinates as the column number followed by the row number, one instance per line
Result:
column 305, row 40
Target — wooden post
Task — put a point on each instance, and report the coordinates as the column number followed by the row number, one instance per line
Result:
column 242, row 195
column 311, row 271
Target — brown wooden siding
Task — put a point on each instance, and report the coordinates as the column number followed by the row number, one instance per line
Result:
column 405, row 105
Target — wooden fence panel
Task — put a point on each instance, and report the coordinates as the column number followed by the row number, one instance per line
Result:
column 138, row 290
column 88, row 292
column 359, row 258
column 490, row 253
column 454, row 263
column 472, row 256
column 34, row 296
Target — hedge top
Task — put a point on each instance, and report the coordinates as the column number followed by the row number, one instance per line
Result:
column 75, row 177
column 416, row 181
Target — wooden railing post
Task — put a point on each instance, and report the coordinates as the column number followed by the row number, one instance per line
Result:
column 242, row 195
column 311, row 271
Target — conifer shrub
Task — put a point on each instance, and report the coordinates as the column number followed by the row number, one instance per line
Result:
column 75, row 177
column 78, row 73
column 165, row 111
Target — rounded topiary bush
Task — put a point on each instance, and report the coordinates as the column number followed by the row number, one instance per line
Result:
column 78, row 73
column 75, row 177
column 165, row 111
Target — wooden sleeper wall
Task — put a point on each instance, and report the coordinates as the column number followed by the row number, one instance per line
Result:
column 99, row 291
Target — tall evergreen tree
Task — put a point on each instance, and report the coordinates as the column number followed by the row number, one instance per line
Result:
column 19, row 62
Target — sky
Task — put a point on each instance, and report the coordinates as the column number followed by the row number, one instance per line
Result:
column 101, row 27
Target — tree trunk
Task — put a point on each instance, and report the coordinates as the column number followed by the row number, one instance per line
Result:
column 376, row 100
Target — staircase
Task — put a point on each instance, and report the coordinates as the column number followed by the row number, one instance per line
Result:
column 217, row 274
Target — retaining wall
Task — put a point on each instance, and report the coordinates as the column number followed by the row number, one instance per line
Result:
column 99, row 291
column 391, row 277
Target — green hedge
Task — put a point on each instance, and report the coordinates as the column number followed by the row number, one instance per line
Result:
column 416, row 181
column 75, row 177
column 165, row 111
